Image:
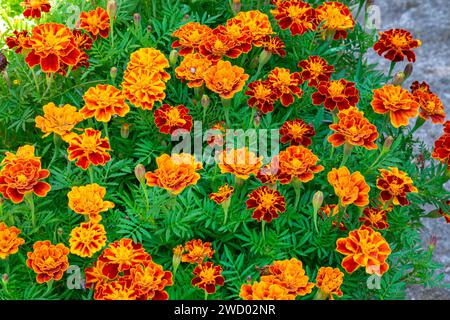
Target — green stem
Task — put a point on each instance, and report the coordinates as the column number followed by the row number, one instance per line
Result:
column 105, row 126
column 49, row 80
column 56, row 142
column 391, row 69
column 206, row 295
column 263, row 230
column 91, row 173
column 111, row 29
column 252, row 118
column 36, row 83
column 147, row 203
column 30, row 202
column 342, row 212
column 347, row 152
column 225, row 215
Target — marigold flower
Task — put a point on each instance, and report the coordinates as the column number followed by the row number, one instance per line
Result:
column 84, row 42
column 329, row 282
column 297, row 16
column 396, row 44
column 190, row 37
column 88, row 200
column 52, row 47
column 171, row 119
column 34, row 8
column 350, row 188
column 441, row 150
column 395, row 185
column 398, row 102
column 336, row 19
column 197, row 251
column 332, row 211
column 23, row 153
column 192, row 69
column 253, row 23
column 225, row 79
column 143, row 88
column 262, row 96
column 19, row 42
column 121, row 289
column 297, row 162
column 94, row 275
column 269, row 173
column 219, row 44
column 149, row 60
column 374, row 217
column 217, row 136
column 315, row 70
column 102, row 102
column 267, row 204
column 89, row 148
column 9, row 240
column 58, row 120
column 87, row 239
column 150, row 280
column 430, row 104
column 48, row 261
column 297, row 132
column 286, row 84
column 265, row 290
column 336, row 93
column 366, row 248
column 207, row 277
column 224, row 193
column 353, row 128
column 273, row 45
column 240, row 162
column 96, row 22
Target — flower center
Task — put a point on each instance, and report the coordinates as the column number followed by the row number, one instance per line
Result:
column 399, row 41
column 208, row 276
column 90, row 143
column 297, row 130
column 316, row 68
column 261, row 92
column 335, row 89
column 173, row 117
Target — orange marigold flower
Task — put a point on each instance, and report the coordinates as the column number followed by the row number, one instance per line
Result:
column 207, row 277
column 329, row 282
column 374, row 217
column 254, row 23
column 267, row 204
column 58, row 120
column 395, row 185
column 396, row 44
column 269, row 173
column 189, row 37
column 48, row 261
column 171, row 119
column 350, row 188
column 174, row 173
column 87, row 239
column 216, row 135
column 223, row 194
column 102, row 102
column 94, row 275
column 336, row 93
column 121, row 289
column 400, row 104
column 240, row 162
column 197, row 251
column 442, row 146
column 19, row 42
column 297, row 132
column 192, row 69
column 418, row 88
column 149, row 60
column 364, row 247
column 239, row 35
column 262, row 96
column 225, row 79
column 150, row 280
column 33, row 8
column 89, row 148
column 22, row 153
column 286, row 84
column 273, row 45
column 9, row 240
column 431, row 106
column 297, row 162
column 52, row 47
column 96, row 22
column 332, row 211
column 297, row 16
column 219, row 44
column 88, row 200
column 353, row 128
column 336, row 19
column 315, row 70
column 265, row 290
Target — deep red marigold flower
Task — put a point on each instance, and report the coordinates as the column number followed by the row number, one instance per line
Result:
column 340, row 94
column 48, row 261
column 329, row 281
column 207, row 277
column 121, row 289
column 84, row 42
column 149, row 60
column 171, row 119
column 150, row 281
column 89, row 148
column 366, row 248
column 265, row 290
column 297, row 162
column 225, row 79
column 197, row 251
column 240, row 162
column 267, row 204
column 396, row 44
column 254, row 24
column 94, row 275
column 273, row 45
column 19, row 42
column 332, row 211
column 192, row 69
column 336, row 19
column 96, row 22
column 87, row 239
column 189, row 37
column 315, row 70
column 353, row 128
column 9, row 240
column 297, row 16
column 430, row 105
column 286, row 85
column 34, row 8
column 297, row 132
column 103, row 102
column 374, row 217
column 223, row 194
column 395, row 185
column 350, row 188
column 262, row 96
column 442, row 146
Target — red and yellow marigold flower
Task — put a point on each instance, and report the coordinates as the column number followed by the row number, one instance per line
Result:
column 171, row 119
column 297, row 132
column 19, row 41
column 84, row 42
column 22, row 153
column 430, row 105
column 265, row 290
column 87, row 239
column 223, row 194
column 299, row 163
column 197, row 251
column 395, row 185
column 335, row 18
column 239, row 36
column 315, row 70
column 354, row 129
column 267, row 204
column 253, row 23
column 398, row 102
column 189, row 37
column 216, row 135
column 396, row 44
column 220, row 44
column 297, row 16
column 240, row 162
column 262, row 96
column 88, row 200
column 34, row 8
column 192, row 69
column 274, row 45
column 207, row 277
column 94, row 275
column 150, row 281
column 329, row 281
column 9, row 240
column 149, row 60
column 350, row 188
column 48, row 261
column 269, row 173
column 89, row 148
column 285, row 84
column 375, row 218
column 340, row 94
column 441, row 150
column 121, row 289
column 225, row 79
column 96, row 22
column 103, row 102
column 365, row 248
column 332, row 211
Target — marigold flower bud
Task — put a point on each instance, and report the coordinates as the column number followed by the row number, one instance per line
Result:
column 254, row 63
column 60, row 231
column 5, row 278
column 317, row 200
column 173, row 57
column 137, row 20
column 408, row 70
column 399, row 78
column 113, row 73
column 177, row 255
column 149, row 28
column 111, row 8
column 3, row 62
column 186, row 17
column 387, row 144
column 433, row 242
column 139, row 172
column 257, row 119
column 125, row 130
column 264, row 57
column 205, row 101
column 236, row 6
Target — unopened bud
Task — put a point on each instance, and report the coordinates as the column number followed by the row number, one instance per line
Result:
column 60, row 231
column 177, row 254
column 125, row 130
column 205, row 101
column 369, row 3
column 186, row 17
column 149, row 28
column 173, row 57
column 408, row 70
column 113, row 73
column 249, row 279
column 257, row 119
column 236, row 6
column 3, row 62
column 137, row 20
column 5, row 278
column 111, row 8
column 317, row 200
column 433, row 242
column 139, row 172
column 264, row 57
column 399, row 78
column 387, row 144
